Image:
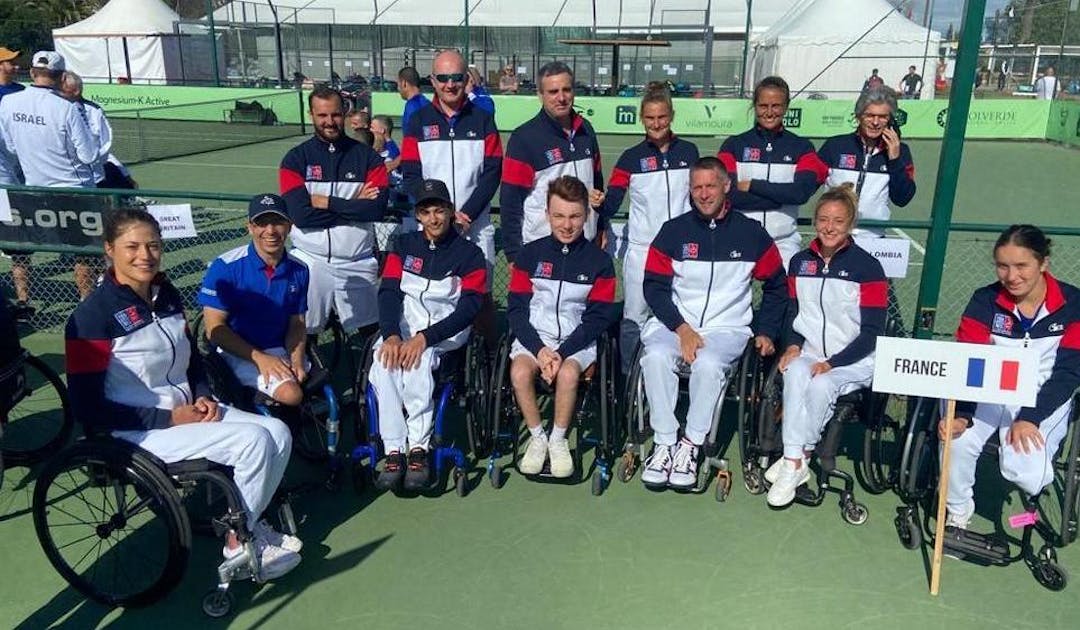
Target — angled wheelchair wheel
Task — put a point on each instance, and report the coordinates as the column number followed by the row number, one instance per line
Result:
column 329, row 345
column 1070, row 504
column 38, row 419
column 359, row 388
column 310, row 430
column 882, row 441
column 110, row 522
column 476, row 384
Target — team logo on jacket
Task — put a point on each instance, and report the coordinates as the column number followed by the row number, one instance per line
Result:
column 553, row 155
column 431, row 132
column 414, row 264
column 690, row 250
column 1003, row 324
column 734, row 254
column 1056, row 328
column 314, row 171
column 751, row 154
column 648, row 163
column 808, row 268
column 544, row 270
column 350, row 175
column 128, row 318
column 847, row 160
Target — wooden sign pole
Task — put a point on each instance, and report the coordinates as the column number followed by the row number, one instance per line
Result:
column 943, row 493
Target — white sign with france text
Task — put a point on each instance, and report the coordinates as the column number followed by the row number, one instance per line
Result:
column 958, row 371
column 175, row 220
column 892, row 253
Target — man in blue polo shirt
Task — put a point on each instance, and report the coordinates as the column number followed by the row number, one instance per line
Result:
column 254, row 299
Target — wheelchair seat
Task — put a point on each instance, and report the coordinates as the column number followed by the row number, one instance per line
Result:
column 195, row 466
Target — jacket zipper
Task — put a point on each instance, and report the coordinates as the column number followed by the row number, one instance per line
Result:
column 768, row 178
column 453, row 168
column 558, row 293
column 333, row 189
column 821, row 304
column 172, row 346
column 431, row 246
column 862, row 173
column 712, row 268
column 667, row 183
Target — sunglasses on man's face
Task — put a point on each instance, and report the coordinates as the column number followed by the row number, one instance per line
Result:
column 457, row 77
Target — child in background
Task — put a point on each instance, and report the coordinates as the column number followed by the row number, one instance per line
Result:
column 382, row 128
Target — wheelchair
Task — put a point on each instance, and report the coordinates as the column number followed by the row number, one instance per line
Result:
column 315, row 424
column 917, row 484
column 35, row 417
column 110, row 518
column 744, row 384
column 462, row 376
column 593, row 425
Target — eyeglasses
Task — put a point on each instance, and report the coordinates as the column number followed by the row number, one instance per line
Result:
column 457, row 77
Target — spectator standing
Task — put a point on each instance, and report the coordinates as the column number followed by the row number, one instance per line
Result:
column 872, row 81
column 478, row 93
column 109, row 172
column 911, row 84
column 508, row 81
column 382, row 129
column 8, row 71
column 408, row 86
column 1047, row 86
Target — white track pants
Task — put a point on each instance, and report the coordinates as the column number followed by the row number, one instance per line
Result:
column 257, row 447
column 708, row 378
column 809, row 403
column 349, row 287
column 635, row 309
column 1031, row 472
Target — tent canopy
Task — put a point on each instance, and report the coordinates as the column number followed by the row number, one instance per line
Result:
column 124, row 17
column 827, row 37
column 728, row 16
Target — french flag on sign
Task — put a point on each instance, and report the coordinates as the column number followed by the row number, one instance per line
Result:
column 1010, row 374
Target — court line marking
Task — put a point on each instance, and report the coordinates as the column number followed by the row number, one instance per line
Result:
column 914, row 243
column 211, row 164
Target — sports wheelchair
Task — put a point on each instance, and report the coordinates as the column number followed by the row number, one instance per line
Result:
column 917, row 482
column 110, row 518
column 597, row 382
column 744, row 382
column 462, row 375
column 314, row 424
column 35, row 417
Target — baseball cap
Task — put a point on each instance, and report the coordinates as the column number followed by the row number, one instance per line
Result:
column 266, row 204
column 7, row 54
column 47, row 60
column 432, row 190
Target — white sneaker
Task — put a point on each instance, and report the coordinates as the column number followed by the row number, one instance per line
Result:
column 562, row 464
column 287, row 542
column 957, row 521
column 684, row 465
column 657, row 466
column 536, row 451
column 274, row 562
column 773, row 471
column 788, row 479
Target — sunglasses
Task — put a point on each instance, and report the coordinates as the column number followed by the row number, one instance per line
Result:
column 457, row 77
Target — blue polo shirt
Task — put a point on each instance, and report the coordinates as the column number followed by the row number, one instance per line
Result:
column 413, row 105
column 10, row 88
column 258, row 298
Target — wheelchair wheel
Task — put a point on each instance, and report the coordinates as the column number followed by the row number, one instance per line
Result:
column 1050, row 575
column 501, row 398
column 310, row 430
column 359, row 391
column 1070, row 503
column 882, row 442
column 39, row 420
column 634, row 408
column 907, row 527
column 329, row 345
column 110, row 522
column 476, row 383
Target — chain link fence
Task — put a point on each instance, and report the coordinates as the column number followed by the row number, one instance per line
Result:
column 220, row 221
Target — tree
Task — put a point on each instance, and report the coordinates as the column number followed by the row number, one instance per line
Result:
column 1042, row 21
column 26, row 25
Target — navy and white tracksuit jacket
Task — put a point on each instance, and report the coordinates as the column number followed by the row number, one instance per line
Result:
column 130, row 363
column 877, row 179
column 49, row 137
column 836, row 314
column 837, row 309
column 538, row 152
column 699, row 272
column 432, row 287
column 103, row 135
column 992, row 317
column 784, row 172
column 561, row 295
column 339, row 170
column 463, row 151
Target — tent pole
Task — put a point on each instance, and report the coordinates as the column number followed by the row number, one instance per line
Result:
column 465, row 47
column 706, row 79
column 213, row 44
column 127, row 59
column 746, row 48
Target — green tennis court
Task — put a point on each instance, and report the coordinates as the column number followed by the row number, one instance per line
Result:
column 548, row 556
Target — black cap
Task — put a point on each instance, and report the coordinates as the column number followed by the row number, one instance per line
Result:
column 268, row 203
column 432, row 190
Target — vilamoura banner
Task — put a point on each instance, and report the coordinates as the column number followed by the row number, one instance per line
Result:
column 988, row 118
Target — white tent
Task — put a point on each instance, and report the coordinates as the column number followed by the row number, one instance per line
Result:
column 844, row 44
column 126, row 38
column 727, row 16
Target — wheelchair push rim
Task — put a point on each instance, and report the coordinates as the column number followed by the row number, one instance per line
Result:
column 39, row 420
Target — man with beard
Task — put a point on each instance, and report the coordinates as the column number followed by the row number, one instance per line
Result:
column 334, row 188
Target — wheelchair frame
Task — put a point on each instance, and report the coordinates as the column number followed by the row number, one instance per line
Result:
column 917, row 478
column 21, row 391
column 507, row 421
column 471, row 394
column 112, row 465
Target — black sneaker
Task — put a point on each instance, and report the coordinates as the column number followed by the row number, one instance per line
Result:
column 417, row 477
column 392, row 472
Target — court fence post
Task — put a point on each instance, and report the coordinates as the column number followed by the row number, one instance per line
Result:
column 952, row 150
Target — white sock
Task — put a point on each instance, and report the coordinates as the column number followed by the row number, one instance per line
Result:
column 558, row 433
column 537, row 431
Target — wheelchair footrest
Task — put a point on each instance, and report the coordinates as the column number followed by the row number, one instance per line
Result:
column 986, row 549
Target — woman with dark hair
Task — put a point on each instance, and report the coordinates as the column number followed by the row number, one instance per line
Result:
column 656, row 174
column 836, row 313
column 1028, row 307
column 773, row 171
column 133, row 373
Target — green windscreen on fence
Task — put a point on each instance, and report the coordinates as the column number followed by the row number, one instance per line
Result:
column 155, row 133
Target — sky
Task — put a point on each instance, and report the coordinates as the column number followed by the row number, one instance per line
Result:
column 951, row 11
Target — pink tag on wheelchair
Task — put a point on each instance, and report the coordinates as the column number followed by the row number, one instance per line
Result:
column 1023, row 519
